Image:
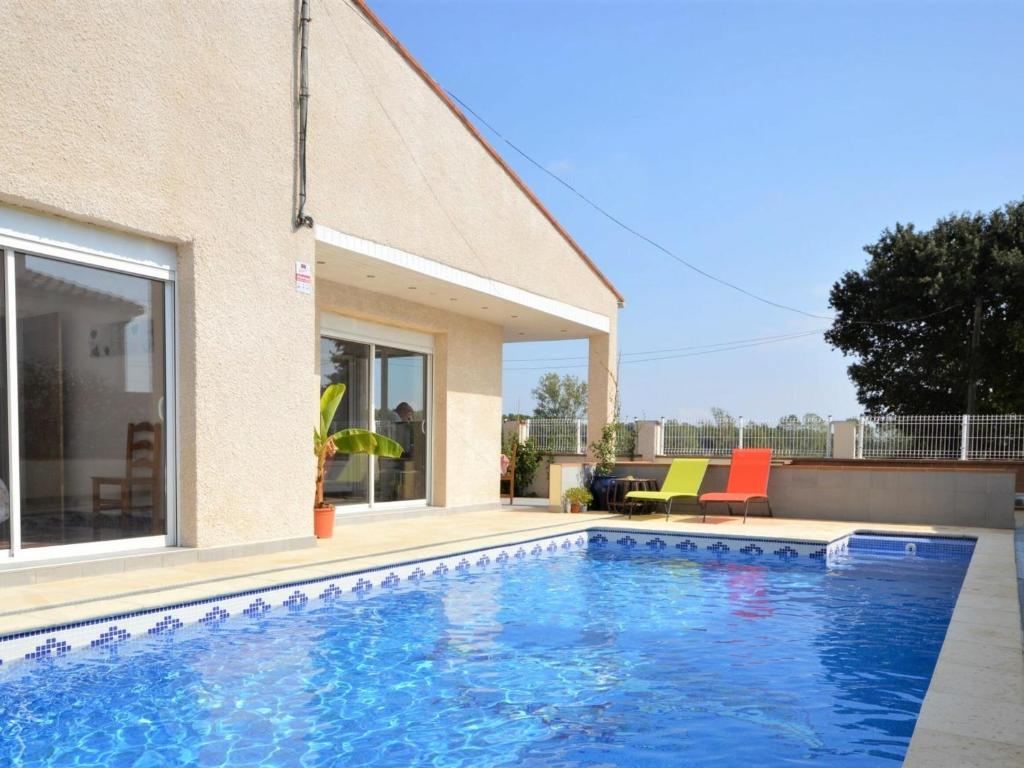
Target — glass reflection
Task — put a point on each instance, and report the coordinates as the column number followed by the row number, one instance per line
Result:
column 92, row 387
column 346, row 362
column 400, row 407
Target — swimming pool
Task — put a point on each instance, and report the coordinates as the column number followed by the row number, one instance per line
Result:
column 614, row 648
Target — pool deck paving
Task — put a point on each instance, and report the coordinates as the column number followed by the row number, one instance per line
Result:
column 972, row 715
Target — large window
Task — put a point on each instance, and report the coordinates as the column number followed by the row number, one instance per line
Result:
column 88, row 361
column 389, row 396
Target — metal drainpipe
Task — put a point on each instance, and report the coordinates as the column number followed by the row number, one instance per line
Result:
column 301, row 218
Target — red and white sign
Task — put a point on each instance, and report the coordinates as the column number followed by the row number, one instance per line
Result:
column 303, row 277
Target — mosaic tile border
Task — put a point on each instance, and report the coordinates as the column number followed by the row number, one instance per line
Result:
column 112, row 630
column 747, row 548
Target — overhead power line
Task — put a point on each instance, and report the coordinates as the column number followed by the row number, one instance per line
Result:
column 671, row 254
column 731, row 348
column 780, row 337
column 600, row 209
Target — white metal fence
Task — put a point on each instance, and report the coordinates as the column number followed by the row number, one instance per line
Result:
column 877, row 437
column 941, row 437
column 570, row 435
column 558, row 435
column 786, row 437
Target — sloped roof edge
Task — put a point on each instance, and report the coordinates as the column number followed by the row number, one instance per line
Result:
column 425, row 76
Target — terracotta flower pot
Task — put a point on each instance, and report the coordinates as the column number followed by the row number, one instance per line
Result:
column 323, row 522
column 574, row 507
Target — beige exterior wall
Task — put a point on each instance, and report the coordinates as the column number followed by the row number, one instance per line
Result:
column 176, row 120
column 466, row 407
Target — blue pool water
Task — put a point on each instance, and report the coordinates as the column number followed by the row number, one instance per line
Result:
column 596, row 657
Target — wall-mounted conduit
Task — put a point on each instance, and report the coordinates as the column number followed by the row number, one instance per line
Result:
column 302, row 219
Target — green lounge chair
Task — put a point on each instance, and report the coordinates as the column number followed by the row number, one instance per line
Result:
column 682, row 481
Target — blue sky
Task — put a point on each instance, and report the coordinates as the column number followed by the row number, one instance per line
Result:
column 765, row 142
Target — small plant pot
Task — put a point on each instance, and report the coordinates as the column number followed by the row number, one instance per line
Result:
column 574, row 508
column 323, row 522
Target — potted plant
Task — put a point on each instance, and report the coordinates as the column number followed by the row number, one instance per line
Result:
column 326, row 444
column 604, row 465
column 577, row 498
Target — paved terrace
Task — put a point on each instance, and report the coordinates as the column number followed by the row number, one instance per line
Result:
column 973, row 714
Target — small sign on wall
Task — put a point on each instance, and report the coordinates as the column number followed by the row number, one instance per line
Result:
column 303, row 277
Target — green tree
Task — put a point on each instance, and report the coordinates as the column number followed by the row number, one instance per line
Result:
column 560, row 397
column 935, row 321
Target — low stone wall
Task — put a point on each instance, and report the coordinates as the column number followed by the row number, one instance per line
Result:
column 930, row 495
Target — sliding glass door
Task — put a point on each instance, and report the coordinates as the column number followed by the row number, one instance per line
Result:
column 389, row 396
column 400, row 405
column 84, row 406
column 347, row 362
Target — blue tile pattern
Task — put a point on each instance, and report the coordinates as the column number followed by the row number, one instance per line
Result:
column 111, row 637
column 166, row 625
column 214, row 616
column 112, row 630
column 333, row 592
column 52, row 647
column 256, row 608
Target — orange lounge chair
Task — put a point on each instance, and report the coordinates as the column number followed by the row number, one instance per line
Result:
column 748, row 481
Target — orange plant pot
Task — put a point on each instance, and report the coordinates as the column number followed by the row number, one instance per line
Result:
column 323, row 522
column 574, row 508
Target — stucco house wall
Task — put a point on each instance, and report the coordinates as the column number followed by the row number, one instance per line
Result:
column 176, row 121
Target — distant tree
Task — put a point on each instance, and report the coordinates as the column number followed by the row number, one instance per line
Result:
column 722, row 418
column 935, row 321
column 515, row 417
column 560, row 397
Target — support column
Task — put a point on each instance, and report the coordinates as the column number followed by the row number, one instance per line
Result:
column 601, row 384
column 844, row 440
column 648, row 440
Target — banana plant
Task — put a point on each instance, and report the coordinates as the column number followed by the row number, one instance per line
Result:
column 326, row 444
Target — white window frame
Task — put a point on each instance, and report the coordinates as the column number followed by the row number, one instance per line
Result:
column 343, row 328
column 64, row 240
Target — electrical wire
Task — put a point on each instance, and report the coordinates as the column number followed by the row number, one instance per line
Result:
column 732, row 348
column 607, row 214
column 781, row 336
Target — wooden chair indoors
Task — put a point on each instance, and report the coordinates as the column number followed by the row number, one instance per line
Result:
column 142, row 484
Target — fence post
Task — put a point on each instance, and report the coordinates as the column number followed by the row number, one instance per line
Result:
column 741, row 431
column 828, row 436
column 860, row 438
column 661, row 437
column 965, row 436
column 524, row 430
column 579, row 436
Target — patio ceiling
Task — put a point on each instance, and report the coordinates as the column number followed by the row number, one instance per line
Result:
column 522, row 314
